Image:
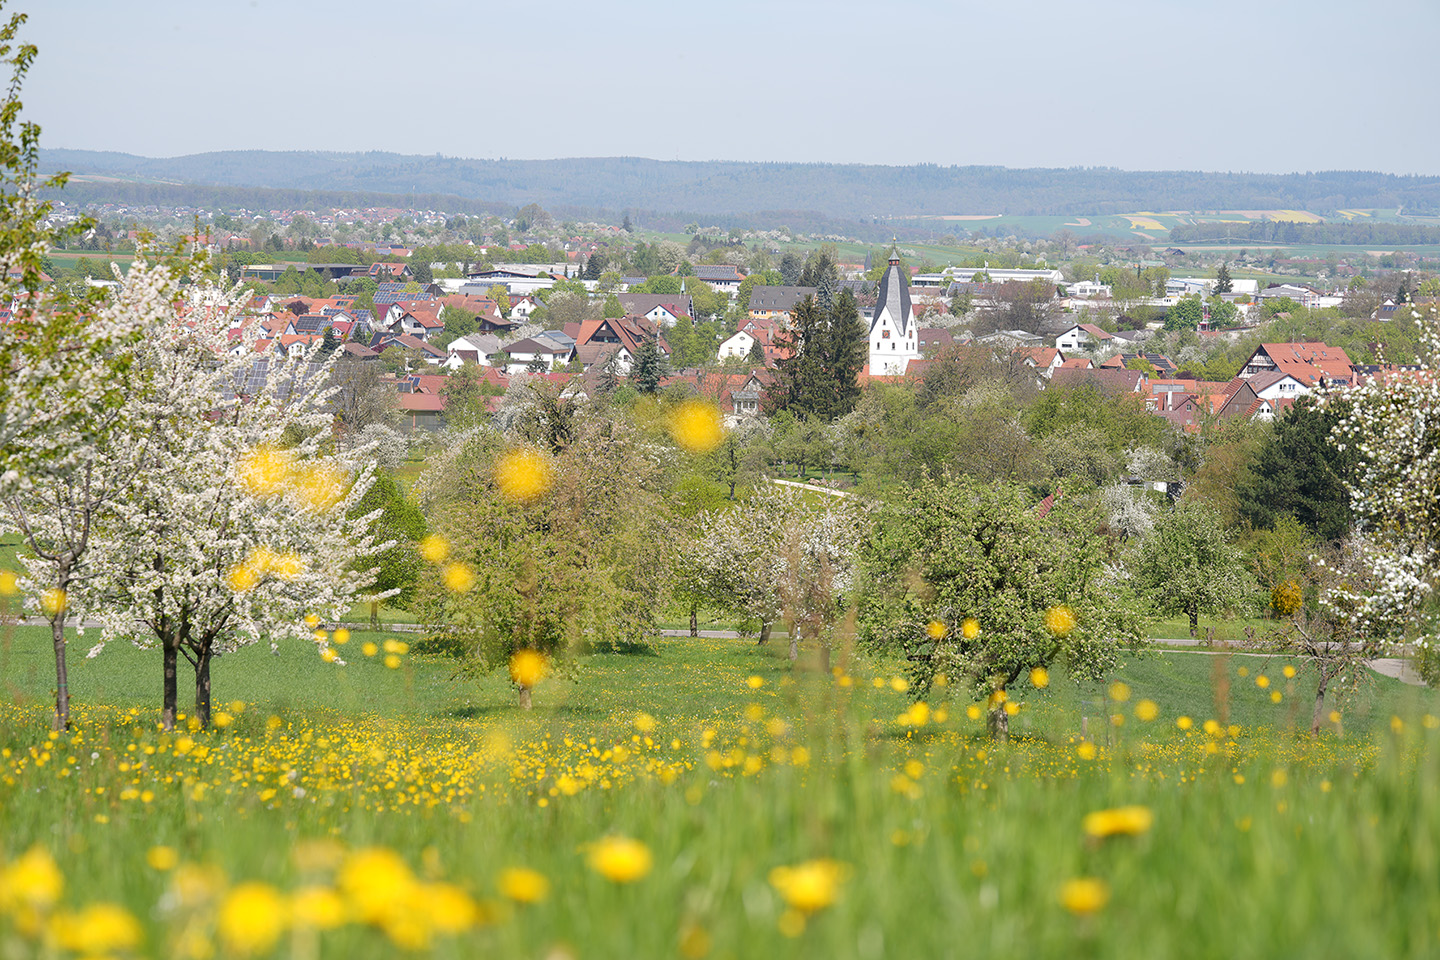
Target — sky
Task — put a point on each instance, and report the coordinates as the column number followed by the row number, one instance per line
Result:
column 1266, row 86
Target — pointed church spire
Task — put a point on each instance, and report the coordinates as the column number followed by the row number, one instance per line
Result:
column 894, row 250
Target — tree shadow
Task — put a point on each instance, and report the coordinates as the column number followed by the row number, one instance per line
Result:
column 624, row 648
column 478, row 711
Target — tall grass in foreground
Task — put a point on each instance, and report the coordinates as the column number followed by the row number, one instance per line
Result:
column 895, row 831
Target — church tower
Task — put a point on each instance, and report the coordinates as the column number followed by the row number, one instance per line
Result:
column 893, row 337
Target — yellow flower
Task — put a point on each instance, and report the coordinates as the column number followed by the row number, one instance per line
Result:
column 1039, row 678
column 377, row 883
column 1086, row 750
column 527, row 667
column 1060, row 620
column 162, row 858
column 341, row 636
column 644, row 722
column 1289, row 671
column 696, row 426
column 523, row 885
column 434, row 548
column 448, row 909
column 98, row 930
column 392, row 661
column 754, row 682
column 998, row 697
column 242, row 578
column 811, row 885
column 1184, row 723
column 265, row 470
column 8, row 582
column 1129, row 821
column 52, row 601
column 523, row 475
column 936, row 630
column 620, row 859
column 369, row 648
column 1262, row 681
column 320, row 486
column 1119, row 692
column 458, row 578
column 1012, row 708
column 252, row 917
column 328, row 654
column 970, row 629
column 1084, row 895
column 317, row 908
column 32, row 881
column 1147, row 710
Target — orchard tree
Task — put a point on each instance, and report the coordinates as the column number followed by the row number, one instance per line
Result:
column 1188, row 566
column 970, row 581
column 229, row 531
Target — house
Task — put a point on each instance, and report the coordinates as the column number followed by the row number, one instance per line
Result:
column 660, row 308
column 1275, row 385
column 775, row 303
column 1081, row 336
column 428, row 352
column 894, row 339
column 389, row 272
column 544, row 351
column 742, row 342
column 1110, row 381
column 723, row 278
column 1089, row 290
column 476, row 348
column 1311, row 363
column 421, row 319
column 1045, row 360
column 1163, row 365
column 598, row 340
column 736, row 394
column 934, row 339
column 1011, row 339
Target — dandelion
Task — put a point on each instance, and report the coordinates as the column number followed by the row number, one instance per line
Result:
column 458, row 578
column 32, row 881
column 8, row 583
column 434, row 548
column 1262, row 681
column 162, row 858
column 523, row 885
column 98, row 930
column 251, row 918
column 696, row 426
column 1086, row 750
column 1147, row 710
column 754, row 682
column 523, row 475
column 1127, row 821
column 1119, row 692
column 341, row 636
column 1184, row 723
column 1060, row 620
column 970, row 629
column 369, row 648
column 1288, row 671
column 809, row 886
column 1084, row 895
column 265, row 470
column 392, row 661
column 527, row 667
column 644, row 722
column 1039, row 678
column 620, row 859
column 319, row 486
column 936, row 630
column 317, row 908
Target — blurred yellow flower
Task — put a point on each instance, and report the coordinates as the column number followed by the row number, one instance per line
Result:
column 1289, row 671
column 970, row 629
column 376, row 882
column 52, row 601
column 1039, row 678
column 392, row 661
column 1060, row 620
column 644, row 722
column 754, row 682
column 434, row 548
column 242, row 578
column 1119, row 692
column 320, row 486
column 523, row 885
column 1262, row 681
column 458, row 578
column 936, row 630
column 341, row 636
column 162, row 858
column 317, row 908
column 620, row 859
column 98, row 930
column 8, row 583
column 1084, row 895
column 1147, row 710
column 31, row 881
column 696, row 426
column 447, row 908
column 811, row 885
column 523, row 475
column 527, row 667
column 328, row 654
column 1184, row 723
column 1129, row 821
column 251, row 918
column 265, row 470
column 369, row 648
column 1086, row 750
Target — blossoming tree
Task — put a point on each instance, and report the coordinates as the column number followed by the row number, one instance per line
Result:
column 226, row 535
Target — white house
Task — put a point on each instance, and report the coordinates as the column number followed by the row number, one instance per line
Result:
column 1082, row 336
column 893, row 341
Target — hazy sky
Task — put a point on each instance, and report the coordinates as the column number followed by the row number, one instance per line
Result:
column 1256, row 85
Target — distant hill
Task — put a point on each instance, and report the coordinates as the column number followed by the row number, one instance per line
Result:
column 854, row 192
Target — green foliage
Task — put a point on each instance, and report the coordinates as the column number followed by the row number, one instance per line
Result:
column 1223, row 283
column 961, row 552
column 661, row 283
column 1121, row 420
column 820, row 378
column 1301, row 472
column 1188, row 565
column 397, row 567
column 649, row 366
column 1185, row 314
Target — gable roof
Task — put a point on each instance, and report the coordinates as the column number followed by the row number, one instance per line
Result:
column 779, row 299
column 894, row 296
column 1109, row 380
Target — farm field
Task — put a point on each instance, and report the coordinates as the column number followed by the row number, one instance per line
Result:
column 710, row 799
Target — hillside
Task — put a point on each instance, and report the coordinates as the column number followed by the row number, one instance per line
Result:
column 714, row 188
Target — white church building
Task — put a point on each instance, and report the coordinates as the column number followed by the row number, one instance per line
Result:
column 893, row 340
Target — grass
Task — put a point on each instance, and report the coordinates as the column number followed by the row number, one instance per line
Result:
column 1264, row 842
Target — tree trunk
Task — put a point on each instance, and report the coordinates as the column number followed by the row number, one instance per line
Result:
column 62, row 672
column 825, row 656
column 525, row 703
column 1194, row 620
column 1000, row 724
column 167, row 707
column 374, row 614
column 1318, row 716
column 202, row 689
column 794, row 642
column 764, row 632
column 694, row 622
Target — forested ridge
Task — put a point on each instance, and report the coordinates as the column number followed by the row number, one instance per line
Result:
column 724, row 187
